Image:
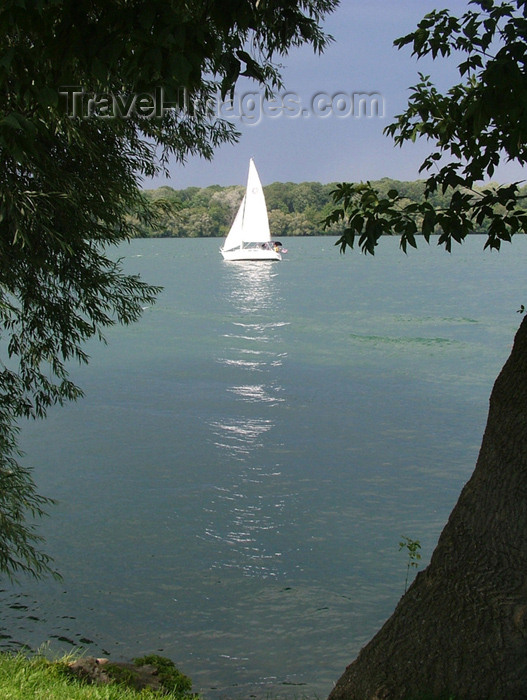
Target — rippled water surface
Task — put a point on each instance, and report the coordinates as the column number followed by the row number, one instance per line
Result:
column 233, row 488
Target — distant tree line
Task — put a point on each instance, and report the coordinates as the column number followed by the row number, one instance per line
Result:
column 295, row 209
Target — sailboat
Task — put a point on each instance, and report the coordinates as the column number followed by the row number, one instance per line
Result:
column 249, row 237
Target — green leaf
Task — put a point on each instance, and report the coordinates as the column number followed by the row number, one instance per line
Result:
column 48, row 97
column 12, row 121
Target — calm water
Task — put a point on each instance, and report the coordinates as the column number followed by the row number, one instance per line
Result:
column 233, row 488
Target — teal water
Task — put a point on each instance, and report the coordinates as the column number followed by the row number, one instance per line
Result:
column 234, row 485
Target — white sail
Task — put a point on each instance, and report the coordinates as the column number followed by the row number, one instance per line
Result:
column 235, row 236
column 249, row 237
column 255, row 221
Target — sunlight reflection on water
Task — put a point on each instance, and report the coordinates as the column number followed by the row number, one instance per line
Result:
column 251, row 345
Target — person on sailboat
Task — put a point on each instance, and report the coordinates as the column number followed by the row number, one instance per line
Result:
column 278, row 247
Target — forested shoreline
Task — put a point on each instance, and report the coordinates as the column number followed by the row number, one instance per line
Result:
column 295, row 209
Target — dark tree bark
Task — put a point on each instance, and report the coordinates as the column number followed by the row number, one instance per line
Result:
column 461, row 628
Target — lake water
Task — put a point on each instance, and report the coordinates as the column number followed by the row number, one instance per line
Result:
column 233, row 488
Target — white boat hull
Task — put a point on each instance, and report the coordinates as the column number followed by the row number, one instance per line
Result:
column 251, row 254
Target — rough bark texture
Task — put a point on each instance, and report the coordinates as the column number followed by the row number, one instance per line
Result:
column 461, row 629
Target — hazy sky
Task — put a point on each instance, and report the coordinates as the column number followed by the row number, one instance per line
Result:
column 323, row 126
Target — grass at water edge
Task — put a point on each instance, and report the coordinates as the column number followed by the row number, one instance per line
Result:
column 37, row 678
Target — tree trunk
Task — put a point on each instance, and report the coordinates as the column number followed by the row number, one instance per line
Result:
column 461, row 629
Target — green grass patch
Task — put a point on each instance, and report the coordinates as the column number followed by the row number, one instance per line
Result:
column 37, row 678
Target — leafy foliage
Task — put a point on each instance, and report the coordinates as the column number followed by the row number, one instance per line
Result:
column 68, row 182
column 295, row 209
column 412, row 547
column 471, row 127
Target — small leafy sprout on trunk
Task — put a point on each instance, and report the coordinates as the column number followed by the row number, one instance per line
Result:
column 412, row 547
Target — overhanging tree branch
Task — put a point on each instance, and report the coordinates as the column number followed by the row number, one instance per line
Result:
column 472, row 127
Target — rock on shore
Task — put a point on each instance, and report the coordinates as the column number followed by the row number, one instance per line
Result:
column 104, row 671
